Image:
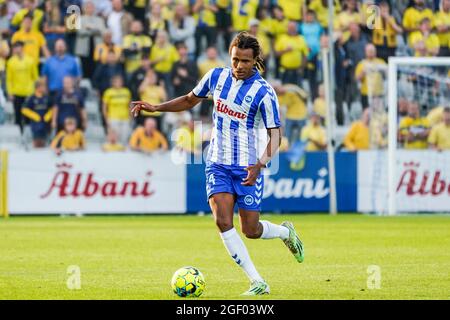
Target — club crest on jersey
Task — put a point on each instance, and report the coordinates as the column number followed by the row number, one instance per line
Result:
column 248, row 99
column 249, row 200
column 223, row 108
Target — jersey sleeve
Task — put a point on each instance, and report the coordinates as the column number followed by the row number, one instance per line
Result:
column 270, row 110
column 203, row 88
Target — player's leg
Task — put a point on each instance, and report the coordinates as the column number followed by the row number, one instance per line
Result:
column 249, row 200
column 253, row 228
column 222, row 205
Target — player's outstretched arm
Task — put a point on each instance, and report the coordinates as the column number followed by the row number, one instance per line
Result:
column 179, row 104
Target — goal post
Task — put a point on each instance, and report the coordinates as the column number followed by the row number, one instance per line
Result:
column 4, row 184
column 410, row 67
column 327, row 75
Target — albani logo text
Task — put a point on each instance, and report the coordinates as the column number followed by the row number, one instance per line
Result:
column 67, row 183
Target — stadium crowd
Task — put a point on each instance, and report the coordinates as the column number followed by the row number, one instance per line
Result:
column 155, row 50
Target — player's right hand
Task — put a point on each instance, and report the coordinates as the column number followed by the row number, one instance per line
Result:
column 137, row 106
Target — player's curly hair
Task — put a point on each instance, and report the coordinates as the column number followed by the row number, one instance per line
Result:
column 244, row 40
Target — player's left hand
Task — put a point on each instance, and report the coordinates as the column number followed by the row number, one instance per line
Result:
column 137, row 106
column 253, row 173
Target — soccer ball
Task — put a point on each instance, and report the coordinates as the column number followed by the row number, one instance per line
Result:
column 188, row 282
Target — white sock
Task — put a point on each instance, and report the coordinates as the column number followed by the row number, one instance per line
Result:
column 271, row 231
column 237, row 250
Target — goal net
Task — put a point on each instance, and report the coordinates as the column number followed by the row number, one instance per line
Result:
column 403, row 172
column 418, row 175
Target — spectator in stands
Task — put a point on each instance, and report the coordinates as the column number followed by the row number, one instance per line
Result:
column 424, row 39
column 278, row 27
column 103, row 49
column 320, row 104
column 28, row 9
column 414, row 15
column 188, row 138
column 439, row 138
column 88, row 37
column 162, row 57
column 5, row 24
column 136, row 47
column 182, row 29
column 442, row 24
column 414, row 129
column 241, row 14
column 59, row 66
column 116, row 102
column 263, row 39
column 69, row 103
column 21, row 74
column 112, row 143
column 358, row 137
column 223, row 19
column 279, row 22
column 153, row 92
column 212, row 61
column 53, row 27
column 343, row 76
column 184, row 72
column 311, row 30
column 155, row 21
column 354, row 54
column 104, row 73
column 137, row 77
column 314, row 135
column 102, row 78
column 38, row 110
column 119, row 22
column 137, row 8
column 402, row 106
column 320, row 7
column 4, row 54
column 205, row 15
column 371, row 72
column 33, row 39
column 266, row 22
column 148, row 139
column 293, row 52
column 350, row 14
column 293, row 99
column 435, row 115
column 69, row 138
column 294, row 10
column 384, row 35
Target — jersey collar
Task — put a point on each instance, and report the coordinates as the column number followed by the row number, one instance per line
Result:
column 253, row 77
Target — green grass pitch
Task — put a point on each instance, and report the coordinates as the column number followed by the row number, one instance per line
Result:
column 134, row 257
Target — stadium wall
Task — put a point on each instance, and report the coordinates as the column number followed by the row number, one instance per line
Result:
column 422, row 181
column 95, row 182
column 133, row 183
column 288, row 190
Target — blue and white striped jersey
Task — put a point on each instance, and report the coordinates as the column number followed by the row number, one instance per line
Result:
column 239, row 136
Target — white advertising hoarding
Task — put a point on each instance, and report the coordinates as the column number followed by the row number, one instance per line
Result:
column 95, row 182
column 422, row 181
